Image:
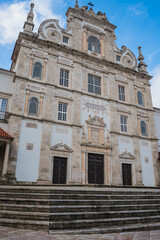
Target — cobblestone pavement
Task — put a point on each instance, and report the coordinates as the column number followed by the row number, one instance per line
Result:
column 23, row 234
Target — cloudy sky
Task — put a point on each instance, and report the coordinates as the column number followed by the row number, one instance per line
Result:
column 138, row 24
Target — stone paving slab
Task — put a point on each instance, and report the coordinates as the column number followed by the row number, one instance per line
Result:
column 7, row 233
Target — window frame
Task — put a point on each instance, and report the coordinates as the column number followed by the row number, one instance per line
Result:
column 37, row 77
column 145, row 134
column 93, row 87
column 123, row 124
column 37, row 107
column 3, row 108
column 62, row 113
column 63, row 79
column 121, row 95
column 65, row 38
column 140, row 103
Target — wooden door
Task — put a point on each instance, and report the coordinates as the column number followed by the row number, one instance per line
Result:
column 127, row 174
column 59, row 170
column 95, row 168
column 2, row 153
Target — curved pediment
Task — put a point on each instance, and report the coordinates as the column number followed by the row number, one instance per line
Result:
column 61, row 147
column 50, row 30
column 127, row 155
column 96, row 121
column 128, row 58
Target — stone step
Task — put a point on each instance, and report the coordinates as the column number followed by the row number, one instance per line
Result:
column 90, row 208
column 103, row 202
column 25, row 208
column 26, row 224
column 76, row 196
column 78, row 209
column 24, row 215
column 26, row 201
column 102, row 197
column 24, row 195
column 91, row 223
column 105, row 230
column 69, row 190
column 97, row 215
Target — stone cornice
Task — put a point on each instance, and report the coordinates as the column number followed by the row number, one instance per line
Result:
column 75, row 53
column 44, row 120
column 96, row 146
column 7, row 72
column 134, row 136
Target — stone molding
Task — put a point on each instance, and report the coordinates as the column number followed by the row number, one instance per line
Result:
column 127, row 155
column 61, row 147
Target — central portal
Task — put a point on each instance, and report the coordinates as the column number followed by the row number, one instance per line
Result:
column 95, row 168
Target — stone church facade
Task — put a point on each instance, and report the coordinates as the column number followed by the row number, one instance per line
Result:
column 81, row 109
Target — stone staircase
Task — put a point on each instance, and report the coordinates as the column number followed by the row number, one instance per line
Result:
column 75, row 210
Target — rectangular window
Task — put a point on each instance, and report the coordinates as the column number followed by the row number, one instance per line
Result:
column 62, row 111
column 123, row 124
column 94, row 84
column 65, row 39
column 3, row 105
column 121, row 93
column 64, row 77
column 118, row 58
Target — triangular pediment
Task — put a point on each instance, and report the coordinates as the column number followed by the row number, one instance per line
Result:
column 127, row 155
column 61, row 147
column 96, row 121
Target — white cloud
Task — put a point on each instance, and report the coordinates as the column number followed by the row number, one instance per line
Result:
column 13, row 16
column 138, row 9
column 151, row 56
column 155, row 87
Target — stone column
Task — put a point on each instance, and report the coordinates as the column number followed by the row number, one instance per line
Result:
column 83, row 167
column 44, row 70
column 41, row 105
column 84, row 48
column 31, row 66
column 6, row 157
column 109, row 167
column 26, row 102
column 102, row 46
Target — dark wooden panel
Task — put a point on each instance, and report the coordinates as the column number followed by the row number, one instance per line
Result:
column 59, row 170
column 95, row 169
column 127, row 174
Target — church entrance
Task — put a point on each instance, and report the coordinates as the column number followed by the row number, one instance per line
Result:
column 59, row 170
column 2, row 153
column 95, row 169
column 127, row 174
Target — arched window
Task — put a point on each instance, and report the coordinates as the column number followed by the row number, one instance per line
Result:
column 33, row 106
column 93, row 44
column 37, row 70
column 143, row 128
column 140, row 98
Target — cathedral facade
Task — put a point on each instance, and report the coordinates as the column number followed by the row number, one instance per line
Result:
column 81, row 109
